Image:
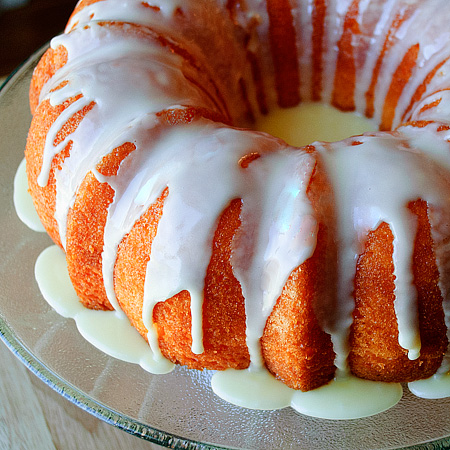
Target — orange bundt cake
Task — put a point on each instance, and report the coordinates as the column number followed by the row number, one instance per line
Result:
column 226, row 248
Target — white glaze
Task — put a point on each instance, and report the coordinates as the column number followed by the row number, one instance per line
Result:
column 251, row 389
column 278, row 227
column 344, row 398
column 23, row 203
column 347, row 398
column 350, row 397
column 110, row 332
column 437, row 386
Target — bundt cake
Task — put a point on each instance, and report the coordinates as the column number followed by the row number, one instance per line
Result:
column 227, row 248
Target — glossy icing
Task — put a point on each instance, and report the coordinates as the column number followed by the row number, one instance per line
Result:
column 279, row 228
column 256, row 389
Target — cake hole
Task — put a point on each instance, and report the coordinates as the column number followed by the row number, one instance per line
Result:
column 310, row 122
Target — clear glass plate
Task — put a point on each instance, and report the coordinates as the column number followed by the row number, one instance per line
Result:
column 177, row 410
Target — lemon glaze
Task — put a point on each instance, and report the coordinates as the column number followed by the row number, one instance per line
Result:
column 97, row 64
column 347, row 397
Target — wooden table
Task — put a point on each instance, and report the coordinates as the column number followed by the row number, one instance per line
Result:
column 34, row 417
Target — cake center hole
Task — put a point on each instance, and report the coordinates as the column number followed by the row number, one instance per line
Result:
column 309, row 122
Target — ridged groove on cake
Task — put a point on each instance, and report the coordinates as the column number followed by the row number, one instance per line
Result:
column 284, row 52
column 318, row 21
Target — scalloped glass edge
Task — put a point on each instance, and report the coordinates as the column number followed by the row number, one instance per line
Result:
column 86, row 403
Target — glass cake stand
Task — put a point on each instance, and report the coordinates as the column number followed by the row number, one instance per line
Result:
column 178, row 410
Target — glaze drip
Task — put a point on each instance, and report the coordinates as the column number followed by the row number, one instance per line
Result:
column 132, row 65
